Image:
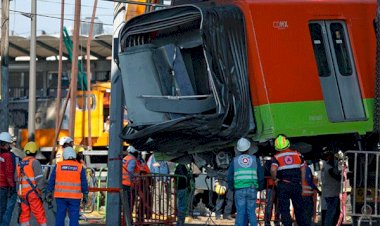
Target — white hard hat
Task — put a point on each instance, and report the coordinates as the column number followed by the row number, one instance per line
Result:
column 243, row 144
column 69, row 153
column 65, row 140
column 131, row 149
column 6, row 137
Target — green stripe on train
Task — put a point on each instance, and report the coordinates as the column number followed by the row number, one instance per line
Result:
column 297, row 119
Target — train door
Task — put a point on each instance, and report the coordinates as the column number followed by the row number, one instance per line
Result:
column 337, row 72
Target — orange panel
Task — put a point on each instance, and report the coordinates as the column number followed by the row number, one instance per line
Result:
column 44, row 137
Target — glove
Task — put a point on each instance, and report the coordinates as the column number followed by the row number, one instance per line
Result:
column 11, row 191
column 49, row 197
column 85, row 199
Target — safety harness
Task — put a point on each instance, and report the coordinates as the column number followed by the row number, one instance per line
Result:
column 34, row 187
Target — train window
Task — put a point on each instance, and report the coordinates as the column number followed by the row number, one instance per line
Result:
column 82, row 102
column 341, row 49
column 319, row 49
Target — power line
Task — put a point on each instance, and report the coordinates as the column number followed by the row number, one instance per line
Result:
column 53, row 17
column 98, row 7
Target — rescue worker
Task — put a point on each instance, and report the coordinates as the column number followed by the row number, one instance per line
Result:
column 63, row 143
column 308, row 191
column 69, row 183
column 144, row 195
column 131, row 167
column 271, row 196
column 7, row 174
column 31, row 186
column 182, row 190
column 79, row 151
column 330, row 188
column 288, row 171
column 246, row 177
column 17, row 156
column 224, row 196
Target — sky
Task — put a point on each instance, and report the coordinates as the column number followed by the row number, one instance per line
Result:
column 49, row 12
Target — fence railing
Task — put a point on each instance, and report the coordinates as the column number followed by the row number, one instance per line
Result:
column 363, row 170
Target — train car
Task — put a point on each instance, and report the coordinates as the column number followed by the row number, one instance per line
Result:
column 198, row 77
column 46, row 117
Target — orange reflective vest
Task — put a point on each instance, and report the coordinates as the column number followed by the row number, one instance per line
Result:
column 288, row 159
column 126, row 179
column 144, row 168
column 67, row 180
column 26, row 178
column 306, row 189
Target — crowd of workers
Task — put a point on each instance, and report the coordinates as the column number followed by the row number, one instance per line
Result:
column 22, row 180
column 284, row 177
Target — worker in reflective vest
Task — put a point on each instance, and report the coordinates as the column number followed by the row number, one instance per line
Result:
column 31, row 185
column 308, row 191
column 131, row 167
column 7, row 173
column 68, row 181
column 63, row 143
column 288, row 171
column 246, row 177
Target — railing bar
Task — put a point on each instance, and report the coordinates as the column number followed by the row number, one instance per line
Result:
column 365, row 180
column 376, row 182
column 355, row 174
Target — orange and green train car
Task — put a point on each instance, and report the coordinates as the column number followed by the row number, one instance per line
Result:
column 198, row 77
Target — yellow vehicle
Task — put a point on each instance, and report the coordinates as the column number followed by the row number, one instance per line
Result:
column 46, row 115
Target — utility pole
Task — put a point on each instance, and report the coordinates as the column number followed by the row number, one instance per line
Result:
column 74, row 68
column 115, row 143
column 32, row 73
column 4, row 113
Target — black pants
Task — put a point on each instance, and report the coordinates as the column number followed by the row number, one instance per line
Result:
column 287, row 192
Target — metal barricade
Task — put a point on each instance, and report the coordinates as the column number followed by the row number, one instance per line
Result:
column 47, row 169
column 364, row 166
column 153, row 199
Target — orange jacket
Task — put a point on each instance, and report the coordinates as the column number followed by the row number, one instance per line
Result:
column 28, row 173
column 126, row 179
column 68, row 180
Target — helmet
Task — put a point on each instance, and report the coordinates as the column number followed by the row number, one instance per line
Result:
column 281, row 143
column 243, row 144
column 6, row 137
column 69, row 153
column 78, row 149
column 65, row 140
column 30, row 148
column 219, row 189
column 131, row 149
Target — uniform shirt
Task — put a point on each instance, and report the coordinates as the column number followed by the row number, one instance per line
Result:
column 158, row 166
column 260, row 175
column 288, row 173
column 7, row 170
